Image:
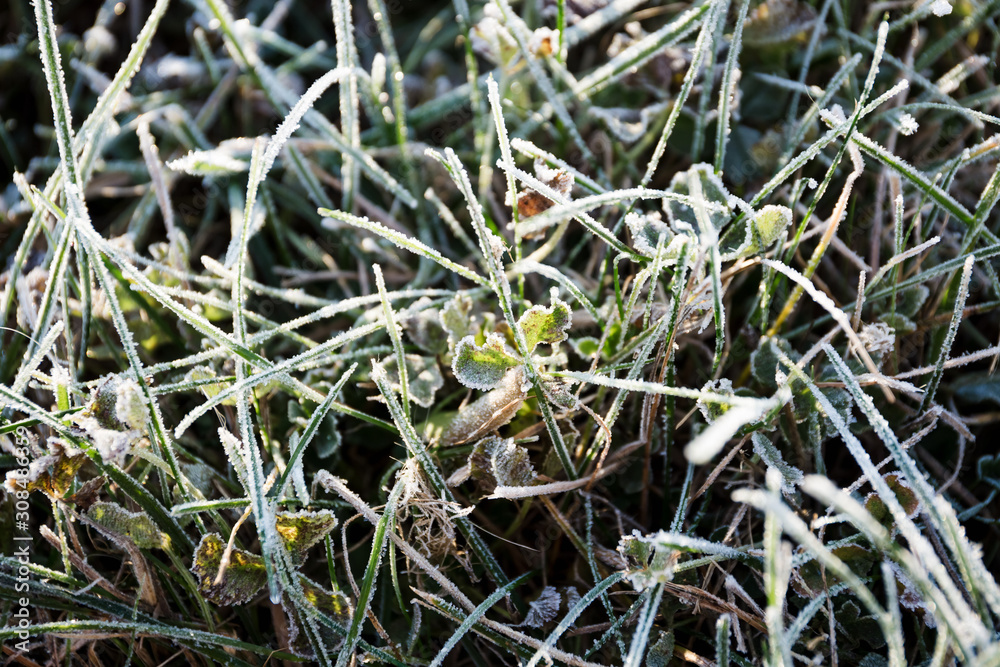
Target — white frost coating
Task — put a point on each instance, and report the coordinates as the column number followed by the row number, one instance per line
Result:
column 878, row 338
column 940, row 8
column 130, row 405
column 907, row 125
column 657, row 388
column 233, row 448
column 211, row 162
column 490, row 411
column 711, row 410
column 400, row 240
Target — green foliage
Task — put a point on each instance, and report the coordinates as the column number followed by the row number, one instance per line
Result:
column 275, row 342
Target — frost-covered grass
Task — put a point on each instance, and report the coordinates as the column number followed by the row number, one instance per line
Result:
column 575, row 332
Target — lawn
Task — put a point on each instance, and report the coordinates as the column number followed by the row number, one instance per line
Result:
column 573, row 332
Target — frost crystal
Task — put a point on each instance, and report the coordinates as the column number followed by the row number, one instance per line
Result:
column 907, row 125
column 543, row 42
column 878, row 338
column 646, row 230
column 544, row 608
column 653, row 563
column 941, row 8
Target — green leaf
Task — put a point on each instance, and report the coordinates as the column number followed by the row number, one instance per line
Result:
column 456, row 319
column 304, row 529
column 904, row 493
column 764, row 362
column 425, row 329
column 661, row 654
column 482, row 367
column 545, row 325
column 978, row 387
column 813, row 579
column 646, row 230
column 245, row 576
column 137, row 526
column 770, row 223
column 423, row 378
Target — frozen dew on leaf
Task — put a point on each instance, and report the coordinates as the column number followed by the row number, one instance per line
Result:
column 541, row 324
column 245, row 575
column 482, row 367
column 544, row 608
column 488, row 412
column 646, row 230
column 423, row 378
column 907, row 124
column 499, row 462
column 137, row 526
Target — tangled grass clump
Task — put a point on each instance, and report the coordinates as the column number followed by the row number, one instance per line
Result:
column 575, row 332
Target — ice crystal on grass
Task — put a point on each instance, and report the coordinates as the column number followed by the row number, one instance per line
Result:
column 713, row 410
column 878, row 338
column 647, row 229
column 674, row 274
column 907, row 125
column 650, row 562
column 713, row 195
column 215, row 162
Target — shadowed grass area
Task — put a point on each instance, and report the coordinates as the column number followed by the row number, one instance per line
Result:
column 576, row 332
